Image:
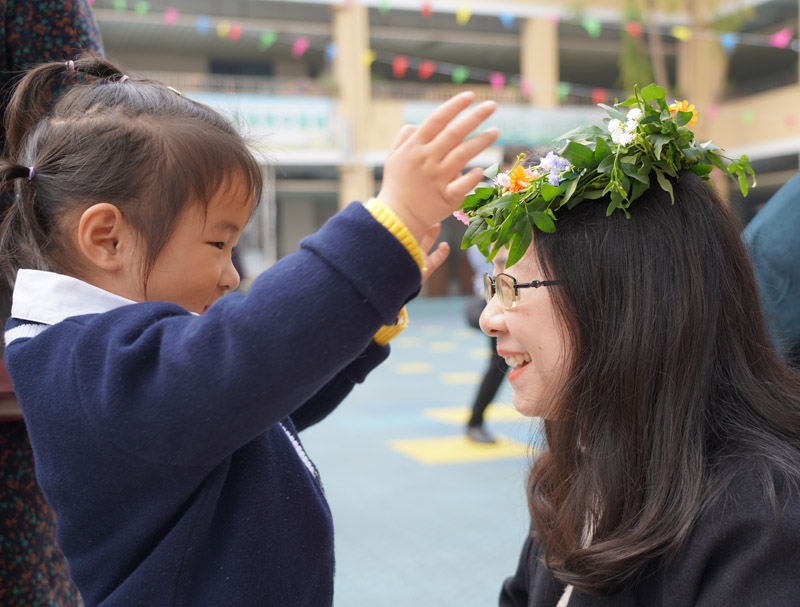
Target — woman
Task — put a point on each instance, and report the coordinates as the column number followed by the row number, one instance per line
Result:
column 670, row 475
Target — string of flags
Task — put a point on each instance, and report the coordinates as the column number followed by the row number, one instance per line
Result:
column 425, row 68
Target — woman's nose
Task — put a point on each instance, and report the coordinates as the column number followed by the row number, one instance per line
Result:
column 492, row 320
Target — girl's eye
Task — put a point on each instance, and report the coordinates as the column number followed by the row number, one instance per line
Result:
column 219, row 245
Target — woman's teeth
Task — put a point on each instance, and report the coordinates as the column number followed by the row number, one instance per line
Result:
column 517, row 360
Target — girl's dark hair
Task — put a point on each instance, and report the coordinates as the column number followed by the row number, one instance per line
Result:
column 672, row 384
column 126, row 140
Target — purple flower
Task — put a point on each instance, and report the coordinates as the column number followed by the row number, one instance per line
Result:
column 554, row 178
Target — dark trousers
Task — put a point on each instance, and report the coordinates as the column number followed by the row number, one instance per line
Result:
column 489, row 386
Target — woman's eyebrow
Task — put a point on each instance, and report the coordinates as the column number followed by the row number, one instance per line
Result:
column 225, row 224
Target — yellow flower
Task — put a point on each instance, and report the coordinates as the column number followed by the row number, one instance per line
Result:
column 519, row 179
column 684, row 106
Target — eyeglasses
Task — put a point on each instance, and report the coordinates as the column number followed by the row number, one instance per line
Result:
column 507, row 289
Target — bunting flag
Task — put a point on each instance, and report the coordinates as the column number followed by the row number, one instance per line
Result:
column 460, row 74
column 463, row 14
column 713, row 111
column 141, row 7
column 782, row 38
column 748, row 116
column 266, row 40
column 507, row 19
column 331, row 50
column 399, row 66
column 526, row 86
column 553, row 19
column 119, row 5
column 497, row 81
column 563, row 90
column 203, row 24
column 235, row 32
column 681, row 32
column 368, row 57
column 790, row 121
column 599, row 95
column 728, row 40
column 426, row 69
column 383, row 7
column 223, row 28
column 171, row 16
column 592, row 26
column 426, row 10
column 300, row 46
column 634, row 29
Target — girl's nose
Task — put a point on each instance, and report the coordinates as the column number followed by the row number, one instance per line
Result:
column 492, row 320
column 230, row 277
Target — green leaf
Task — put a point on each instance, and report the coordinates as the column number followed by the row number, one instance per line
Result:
column 683, row 118
column 549, row 192
column 476, row 226
column 579, row 155
column 658, row 140
column 606, row 165
column 665, row 184
column 484, row 193
column 630, row 101
column 470, row 201
column 601, row 149
column 632, row 171
column 614, row 112
column 653, row 92
column 524, row 235
column 701, row 169
column 650, row 118
column 572, row 185
column 492, row 171
column 581, row 133
column 544, row 222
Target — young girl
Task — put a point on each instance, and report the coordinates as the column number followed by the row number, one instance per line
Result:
column 671, row 471
column 164, row 417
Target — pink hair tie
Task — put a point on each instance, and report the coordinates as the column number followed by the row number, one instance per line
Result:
column 71, row 66
column 123, row 79
column 31, row 173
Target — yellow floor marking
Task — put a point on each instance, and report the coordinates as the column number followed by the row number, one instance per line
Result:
column 443, row 347
column 406, row 342
column 464, row 377
column 458, row 416
column 458, row 449
column 480, row 353
column 464, row 333
column 412, row 368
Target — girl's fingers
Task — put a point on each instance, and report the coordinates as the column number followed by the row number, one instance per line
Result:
column 457, row 158
column 435, row 259
column 463, row 185
column 430, row 237
column 460, row 128
column 402, row 136
column 442, row 116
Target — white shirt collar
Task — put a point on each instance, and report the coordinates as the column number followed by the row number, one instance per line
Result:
column 49, row 298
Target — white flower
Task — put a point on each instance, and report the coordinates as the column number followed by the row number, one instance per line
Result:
column 631, row 125
column 636, row 114
column 503, row 180
column 622, row 137
column 614, row 125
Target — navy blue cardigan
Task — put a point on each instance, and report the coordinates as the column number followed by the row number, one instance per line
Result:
column 164, row 440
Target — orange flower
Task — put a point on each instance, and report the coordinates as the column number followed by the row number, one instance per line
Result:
column 684, row 106
column 519, row 179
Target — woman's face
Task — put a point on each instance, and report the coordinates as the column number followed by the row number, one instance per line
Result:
column 531, row 338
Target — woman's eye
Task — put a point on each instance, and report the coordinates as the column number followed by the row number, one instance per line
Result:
column 219, row 245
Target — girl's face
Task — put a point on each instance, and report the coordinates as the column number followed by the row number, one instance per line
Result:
column 531, row 337
column 194, row 268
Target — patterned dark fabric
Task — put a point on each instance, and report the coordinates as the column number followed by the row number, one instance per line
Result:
column 32, row 570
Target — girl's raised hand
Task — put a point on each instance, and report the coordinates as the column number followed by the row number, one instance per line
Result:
column 434, row 257
column 422, row 180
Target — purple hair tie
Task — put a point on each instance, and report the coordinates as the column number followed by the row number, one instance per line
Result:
column 71, row 66
column 31, row 173
column 123, row 79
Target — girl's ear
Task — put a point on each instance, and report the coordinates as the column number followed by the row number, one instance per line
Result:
column 103, row 236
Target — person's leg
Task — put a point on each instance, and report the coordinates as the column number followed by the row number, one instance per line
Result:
column 486, row 392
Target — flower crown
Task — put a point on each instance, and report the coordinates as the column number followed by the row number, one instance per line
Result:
column 619, row 161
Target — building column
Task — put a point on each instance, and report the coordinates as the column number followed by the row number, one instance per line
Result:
column 539, row 60
column 351, row 37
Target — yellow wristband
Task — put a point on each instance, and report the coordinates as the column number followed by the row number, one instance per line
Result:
column 388, row 219
column 386, row 333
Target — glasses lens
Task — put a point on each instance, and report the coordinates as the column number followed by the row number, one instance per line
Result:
column 505, row 290
column 488, row 289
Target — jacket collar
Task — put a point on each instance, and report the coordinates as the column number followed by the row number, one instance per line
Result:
column 49, row 298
